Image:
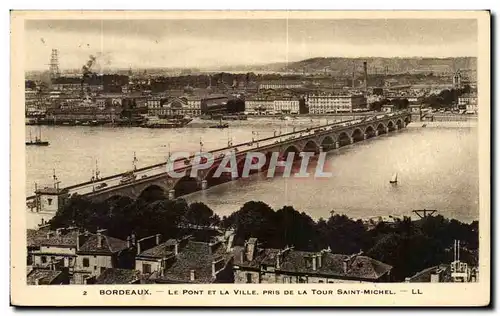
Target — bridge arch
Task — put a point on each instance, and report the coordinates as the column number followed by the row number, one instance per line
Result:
column 391, row 126
column 370, row 131
column 407, row 120
column 357, row 135
column 290, row 149
column 213, row 181
column 153, row 193
column 344, row 139
column 381, row 128
column 185, row 185
column 311, row 146
column 328, row 143
column 268, row 155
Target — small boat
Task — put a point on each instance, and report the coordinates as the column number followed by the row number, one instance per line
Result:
column 38, row 140
column 394, row 179
column 220, row 125
column 425, row 125
column 225, row 125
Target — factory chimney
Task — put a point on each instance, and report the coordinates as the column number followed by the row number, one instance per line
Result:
column 365, row 71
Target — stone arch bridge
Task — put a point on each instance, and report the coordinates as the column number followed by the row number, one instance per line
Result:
column 318, row 139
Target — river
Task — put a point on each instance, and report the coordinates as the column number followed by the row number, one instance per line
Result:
column 437, row 167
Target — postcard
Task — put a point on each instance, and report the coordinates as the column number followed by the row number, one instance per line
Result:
column 250, row 158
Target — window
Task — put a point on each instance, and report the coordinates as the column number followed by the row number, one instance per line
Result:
column 49, row 201
column 249, row 278
column 86, row 262
column 44, row 259
column 95, row 268
column 103, row 269
column 146, row 268
column 321, row 281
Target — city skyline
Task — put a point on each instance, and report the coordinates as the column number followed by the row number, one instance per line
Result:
column 215, row 43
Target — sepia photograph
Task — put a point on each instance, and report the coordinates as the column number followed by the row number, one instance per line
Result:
column 344, row 155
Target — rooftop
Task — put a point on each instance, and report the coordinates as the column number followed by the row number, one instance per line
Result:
column 67, row 239
column 118, row 276
column 110, row 245
column 43, row 276
column 198, row 257
column 294, row 261
column 425, row 275
column 36, row 236
column 160, row 251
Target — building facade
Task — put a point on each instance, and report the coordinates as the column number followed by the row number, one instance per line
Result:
column 322, row 104
column 469, row 102
column 285, row 84
column 286, row 105
column 98, row 252
column 259, row 104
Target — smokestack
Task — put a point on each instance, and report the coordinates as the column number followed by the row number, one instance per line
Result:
column 365, row 71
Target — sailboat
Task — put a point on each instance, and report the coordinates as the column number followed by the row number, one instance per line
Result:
column 394, row 178
column 38, row 140
column 220, row 125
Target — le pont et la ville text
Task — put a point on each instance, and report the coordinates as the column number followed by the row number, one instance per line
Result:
column 253, row 292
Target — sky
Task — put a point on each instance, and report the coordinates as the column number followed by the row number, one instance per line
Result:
column 212, row 43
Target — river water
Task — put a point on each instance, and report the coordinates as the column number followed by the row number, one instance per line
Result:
column 437, row 167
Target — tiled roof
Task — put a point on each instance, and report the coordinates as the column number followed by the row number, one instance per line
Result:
column 43, row 276
column 36, row 236
column 160, row 251
column 110, row 245
column 425, row 275
column 332, row 264
column 194, row 256
column 64, row 240
column 117, row 276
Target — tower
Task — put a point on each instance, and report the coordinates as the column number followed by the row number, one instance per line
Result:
column 54, row 64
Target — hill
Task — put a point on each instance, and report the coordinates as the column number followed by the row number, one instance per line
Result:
column 344, row 66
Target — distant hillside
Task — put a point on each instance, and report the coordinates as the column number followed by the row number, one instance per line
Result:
column 344, row 66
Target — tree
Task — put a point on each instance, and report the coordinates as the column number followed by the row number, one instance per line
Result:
column 297, row 229
column 199, row 213
column 253, row 219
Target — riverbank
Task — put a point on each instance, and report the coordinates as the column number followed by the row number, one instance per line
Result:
column 448, row 124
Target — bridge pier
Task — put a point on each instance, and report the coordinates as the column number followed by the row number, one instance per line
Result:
column 351, row 140
column 204, row 184
column 171, row 194
column 387, row 130
column 376, row 133
column 337, row 145
column 321, row 149
column 365, row 136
